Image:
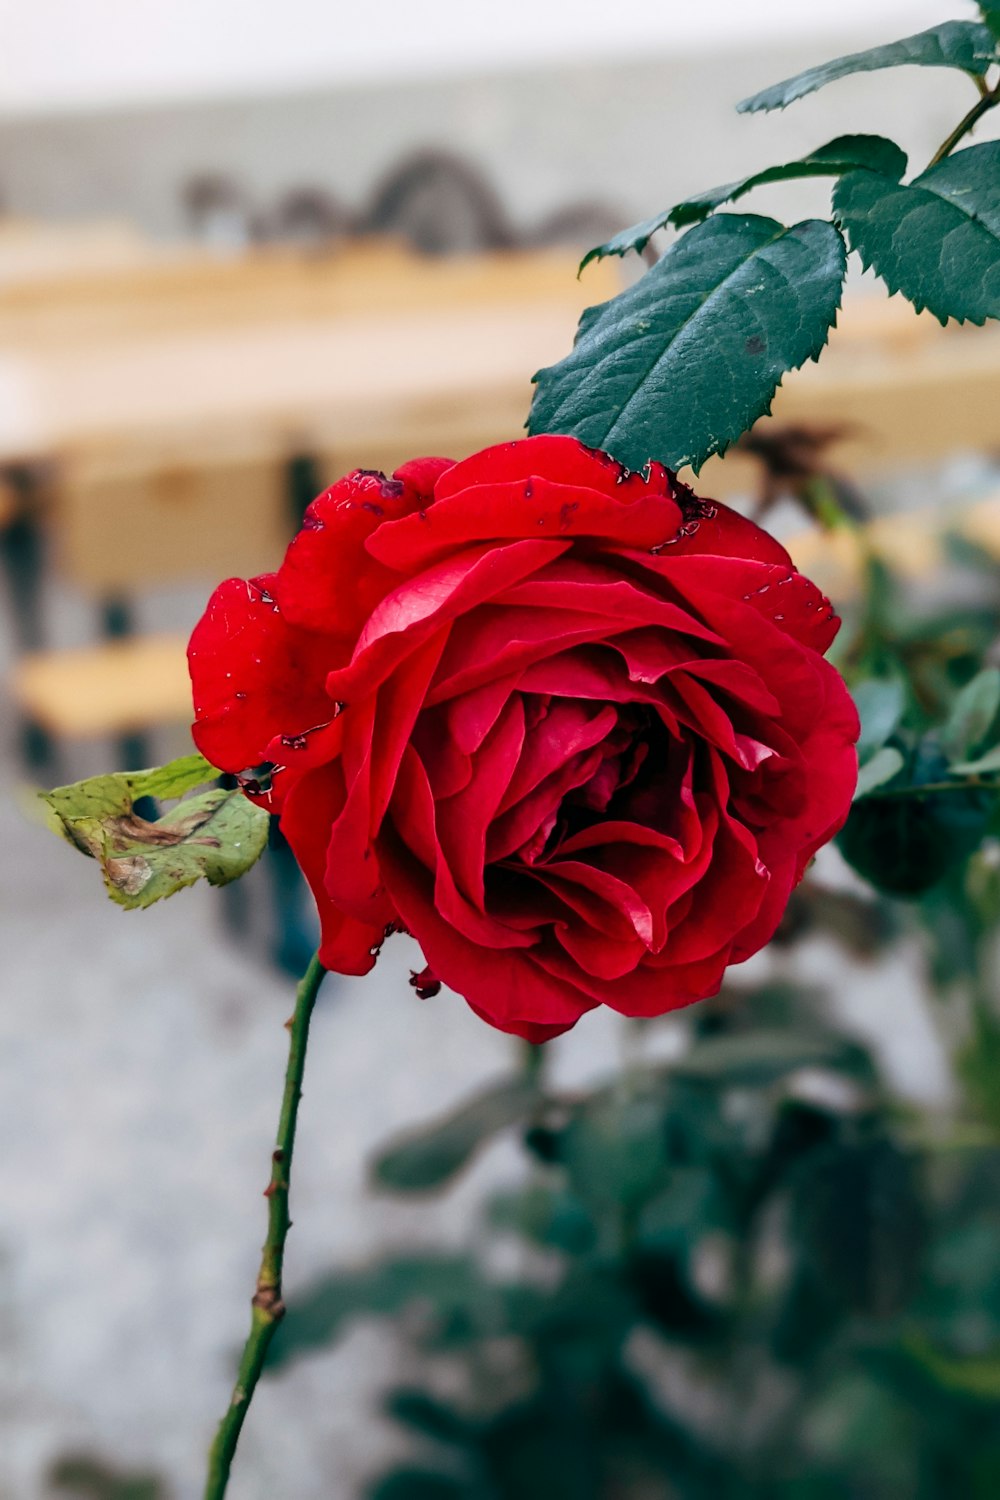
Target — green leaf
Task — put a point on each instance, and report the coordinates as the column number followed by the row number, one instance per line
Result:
column 546, row 1215
column 417, row 1484
column 217, row 835
column 836, row 157
column 448, row 1284
column 983, row 766
column 935, row 239
column 972, row 715
column 635, row 238
column 884, row 765
column 757, row 1059
column 856, row 1214
column 954, row 44
column 991, row 15
column 679, row 365
column 832, row 160
column 428, row 1157
column 905, row 839
column 974, row 1376
column 880, row 702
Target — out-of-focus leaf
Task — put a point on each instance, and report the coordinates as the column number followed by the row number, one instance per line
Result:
column 979, row 1067
column 216, row 835
column 447, row 1285
column 935, row 239
column 991, row 15
column 836, row 157
column 857, row 1215
column 757, row 1059
column 427, row 1157
column 880, row 702
column 418, row 1484
column 954, row 44
column 549, row 1216
column 975, row 1377
column 614, row 1148
column 861, row 1425
column 688, row 1206
column 679, row 365
column 981, row 766
column 441, row 1423
column 85, row 1477
column 903, row 839
column 972, row 715
column 883, row 767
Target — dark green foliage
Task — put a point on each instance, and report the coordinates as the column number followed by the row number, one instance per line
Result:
column 747, row 1276
column 904, row 838
column 831, row 160
column 80, row 1476
column 970, row 725
column 679, row 365
column 935, row 239
column 449, row 1285
column 991, row 15
column 418, row 1484
column 880, row 702
column 955, row 44
column 856, row 1212
column 430, row 1157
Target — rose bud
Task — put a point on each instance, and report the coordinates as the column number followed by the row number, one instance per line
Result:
column 569, row 726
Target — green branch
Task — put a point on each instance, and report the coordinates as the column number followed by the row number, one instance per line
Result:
column 267, row 1306
column 988, row 99
column 933, row 788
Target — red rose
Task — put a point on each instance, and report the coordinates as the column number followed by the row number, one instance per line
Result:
column 569, row 726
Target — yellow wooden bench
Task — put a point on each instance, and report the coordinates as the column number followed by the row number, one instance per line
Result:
column 113, row 688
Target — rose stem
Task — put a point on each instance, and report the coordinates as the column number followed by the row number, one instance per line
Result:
column 988, row 99
column 267, row 1306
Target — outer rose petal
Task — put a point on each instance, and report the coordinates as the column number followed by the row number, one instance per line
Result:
column 559, row 457
column 541, row 486
column 253, row 676
column 716, row 530
column 326, row 582
column 312, row 803
column 777, row 592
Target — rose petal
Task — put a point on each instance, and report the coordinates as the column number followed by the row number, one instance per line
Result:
column 312, row 805
column 253, row 676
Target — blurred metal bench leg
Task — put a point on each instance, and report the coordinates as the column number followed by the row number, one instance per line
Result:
column 22, row 555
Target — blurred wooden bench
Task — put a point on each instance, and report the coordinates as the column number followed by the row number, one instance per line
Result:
column 159, row 507
column 114, row 688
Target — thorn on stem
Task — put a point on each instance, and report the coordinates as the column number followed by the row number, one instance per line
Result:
column 268, row 1300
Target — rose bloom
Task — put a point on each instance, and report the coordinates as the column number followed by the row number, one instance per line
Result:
column 569, row 726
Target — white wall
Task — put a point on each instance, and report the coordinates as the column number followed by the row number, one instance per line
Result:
column 59, row 55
